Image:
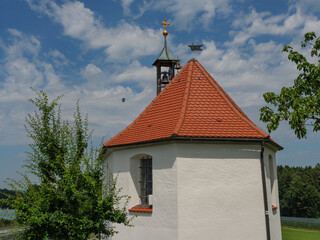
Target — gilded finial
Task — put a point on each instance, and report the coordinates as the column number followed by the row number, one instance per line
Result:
column 165, row 24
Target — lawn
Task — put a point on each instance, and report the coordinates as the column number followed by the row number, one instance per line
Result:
column 299, row 234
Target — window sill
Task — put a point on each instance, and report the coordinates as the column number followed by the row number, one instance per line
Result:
column 274, row 207
column 141, row 209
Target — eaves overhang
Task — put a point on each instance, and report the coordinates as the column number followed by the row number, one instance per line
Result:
column 197, row 139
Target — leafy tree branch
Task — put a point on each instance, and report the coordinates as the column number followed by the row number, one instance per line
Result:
column 300, row 103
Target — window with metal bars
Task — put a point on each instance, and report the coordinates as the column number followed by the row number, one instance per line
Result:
column 146, row 180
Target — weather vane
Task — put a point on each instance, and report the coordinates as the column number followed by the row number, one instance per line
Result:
column 195, row 47
column 165, row 24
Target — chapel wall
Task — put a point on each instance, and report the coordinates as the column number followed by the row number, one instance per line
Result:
column 162, row 223
column 220, row 193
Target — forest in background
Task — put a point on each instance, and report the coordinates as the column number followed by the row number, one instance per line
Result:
column 299, row 191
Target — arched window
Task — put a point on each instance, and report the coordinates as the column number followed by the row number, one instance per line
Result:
column 141, row 175
column 145, row 180
column 271, row 170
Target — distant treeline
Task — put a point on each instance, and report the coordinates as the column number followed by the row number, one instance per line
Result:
column 3, row 195
column 299, row 191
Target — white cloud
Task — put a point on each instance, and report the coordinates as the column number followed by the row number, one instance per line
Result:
column 22, row 73
column 137, row 73
column 18, row 72
column 78, row 22
column 134, row 75
column 40, row 6
column 307, row 5
column 246, row 77
column 121, row 43
column 126, row 6
column 15, row 32
column 25, row 66
column 130, row 42
column 58, row 58
column 264, row 23
column 91, row 69
column 108, row 115
column 96, row 78
column 21, row 69
column 246, row 68
column 186, row 13
column 312, row 25
column 53, row 80
column 22, row 44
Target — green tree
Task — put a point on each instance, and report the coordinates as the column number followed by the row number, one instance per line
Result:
column 299, row 191
column 73, row 198
column 4, row 195
column 300, row 103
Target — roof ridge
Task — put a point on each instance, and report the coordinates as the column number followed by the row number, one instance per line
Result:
column 185, row 101
column 145, row 110
column 235, row 108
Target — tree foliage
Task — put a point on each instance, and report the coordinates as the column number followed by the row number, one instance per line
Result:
column 73, row 199
column 299, row 191
column 4, row 193
column 301, row 102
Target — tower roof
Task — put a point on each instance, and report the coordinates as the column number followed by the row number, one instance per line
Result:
column 165, row 54
column 191, row 106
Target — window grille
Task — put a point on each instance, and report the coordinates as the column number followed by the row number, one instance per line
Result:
column 146, row 180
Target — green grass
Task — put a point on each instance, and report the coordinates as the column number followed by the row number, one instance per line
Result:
column 300, row 225
column 299, row 234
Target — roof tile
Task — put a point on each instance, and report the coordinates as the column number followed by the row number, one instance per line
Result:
column 191, row 105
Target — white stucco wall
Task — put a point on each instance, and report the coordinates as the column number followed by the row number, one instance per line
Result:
column 162, row 223
column 200, row 191
column 220, row 192
column 273, row 196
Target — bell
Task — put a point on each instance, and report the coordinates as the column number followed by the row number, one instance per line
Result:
column 165, row 79
column 178, row 66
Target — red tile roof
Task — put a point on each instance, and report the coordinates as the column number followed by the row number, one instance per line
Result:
column 191, row 105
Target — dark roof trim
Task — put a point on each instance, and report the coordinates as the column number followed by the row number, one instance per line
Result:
column 203, row 139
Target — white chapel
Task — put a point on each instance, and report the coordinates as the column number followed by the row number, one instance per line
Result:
column 194, row 164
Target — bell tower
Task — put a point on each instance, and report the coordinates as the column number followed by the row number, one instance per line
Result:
column 166, row 63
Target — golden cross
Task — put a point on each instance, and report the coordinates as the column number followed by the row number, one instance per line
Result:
column 165, row 24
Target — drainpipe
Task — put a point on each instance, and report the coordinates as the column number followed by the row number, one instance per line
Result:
column 264, row 186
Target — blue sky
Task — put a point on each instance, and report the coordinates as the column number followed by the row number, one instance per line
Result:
column 100, row 51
